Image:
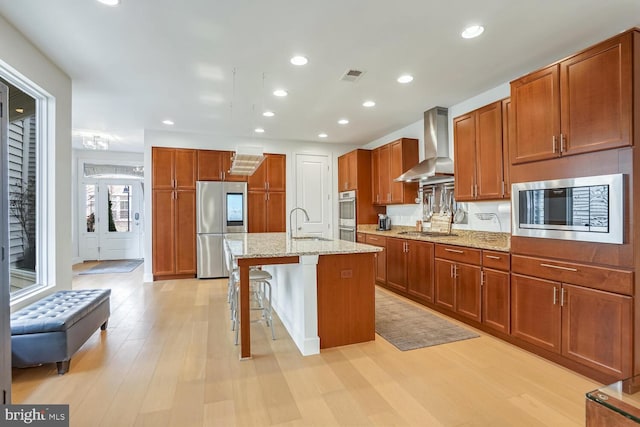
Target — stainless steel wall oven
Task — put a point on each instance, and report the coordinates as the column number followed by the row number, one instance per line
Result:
column 347, row 215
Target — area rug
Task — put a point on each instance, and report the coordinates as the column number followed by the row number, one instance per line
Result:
column 116, row 266
column 409, row 327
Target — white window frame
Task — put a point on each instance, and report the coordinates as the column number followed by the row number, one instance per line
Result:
column 45, row 182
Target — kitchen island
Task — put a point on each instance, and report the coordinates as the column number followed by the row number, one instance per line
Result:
column 323, row 290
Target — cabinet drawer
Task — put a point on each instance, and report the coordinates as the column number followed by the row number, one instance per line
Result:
column 495, row 259
column 376, row 240
column 361, row 238
column 459, row 253
column 606, row 279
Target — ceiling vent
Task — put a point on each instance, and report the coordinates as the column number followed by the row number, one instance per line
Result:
column 351, row 75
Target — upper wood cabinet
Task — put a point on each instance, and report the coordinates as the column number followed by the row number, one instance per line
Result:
column 271, row 175
column 214, row 165
column 390, row 161
column 173, row 168
column 478, row 145
column 581, row 104
column 267, row 196
column 354, row 173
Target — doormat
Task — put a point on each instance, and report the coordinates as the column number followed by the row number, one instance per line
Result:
column 409, row 327
column 116, row 266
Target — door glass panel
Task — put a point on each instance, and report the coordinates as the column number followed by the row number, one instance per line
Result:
column 119, row 204
column 90, row 196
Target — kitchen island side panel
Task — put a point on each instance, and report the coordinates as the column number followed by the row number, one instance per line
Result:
column 346, row 299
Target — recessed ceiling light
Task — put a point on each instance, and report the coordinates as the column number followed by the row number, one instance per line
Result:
column 343, row 121
column 405, row 78
column 322, row 135
column 258, row 130
column 280, row 92
column 19, row 110
column 472, row 31
column 299, row 60
column 168, row 122
column 368, row 104
column 268, row 114
column 110, row 2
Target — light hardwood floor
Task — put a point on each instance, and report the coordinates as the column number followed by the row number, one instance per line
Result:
column 168, row 359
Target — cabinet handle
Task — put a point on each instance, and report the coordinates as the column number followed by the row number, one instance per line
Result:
column 482, row 278
column 562, row 143
column 268, row 186
column 455, row 251
column 558, row 267
column 472, row 190
column 504, row 189
column 555, row 295
column 554, row 142
column 388, row 197
column 224, row 175
column 493, row 257
column 455, row 271
column 562, row 297
column 265, row 197
column 451, row 271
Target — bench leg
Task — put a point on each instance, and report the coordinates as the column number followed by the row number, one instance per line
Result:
column 104, row 325
column 63, row 367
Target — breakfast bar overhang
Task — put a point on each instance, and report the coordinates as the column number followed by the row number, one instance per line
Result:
column 323, row 290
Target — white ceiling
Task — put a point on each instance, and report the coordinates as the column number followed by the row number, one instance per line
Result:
column 134, row 65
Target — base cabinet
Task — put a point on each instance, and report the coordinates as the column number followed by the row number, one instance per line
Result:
column 586, row 325
column 457, row 280
column 381, row 257
column 496, row 289
column 410, row 268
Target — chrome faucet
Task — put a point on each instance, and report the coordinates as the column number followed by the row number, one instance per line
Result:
column 291, row 219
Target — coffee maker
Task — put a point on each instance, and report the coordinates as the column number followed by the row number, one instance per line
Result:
column 384, row 222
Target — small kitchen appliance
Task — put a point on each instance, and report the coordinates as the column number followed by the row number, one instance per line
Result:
column 384, row 222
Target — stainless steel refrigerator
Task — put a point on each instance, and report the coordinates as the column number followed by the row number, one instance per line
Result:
column 221, row 208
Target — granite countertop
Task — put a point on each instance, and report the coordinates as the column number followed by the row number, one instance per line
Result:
column 274, row 245
column 469, row 238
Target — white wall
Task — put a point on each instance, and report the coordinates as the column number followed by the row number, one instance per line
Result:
column 20, row 55
column 500, row 219
column 154, row 138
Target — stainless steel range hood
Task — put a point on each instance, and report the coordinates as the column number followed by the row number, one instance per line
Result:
column 437, row 166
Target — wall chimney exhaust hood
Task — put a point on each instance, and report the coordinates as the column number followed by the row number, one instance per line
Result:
column 246, row 160
column 437, row 166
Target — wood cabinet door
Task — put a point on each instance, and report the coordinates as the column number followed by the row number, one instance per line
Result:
column 352, row 170
column 536, row 311
column 381, row 257
column 468, row 298
column 163, row 232
column 420, row 270
column 258, row 181
column 507, row 136
column 597, row 97
column 396, row 264
column 185, row 240
column 395, row 170
column 276, row 212
column 495, row 299
column 444, row 284
column 536, row 113
column 163, row 168
column 343, row 175
column 186, row 169
column 375, row 177
column 226, row 157
column 464, row 145
column 489, row 152
column 276, row 172
column 596, row 329
column 210, row 165
column 257, row 211
column 384, row 174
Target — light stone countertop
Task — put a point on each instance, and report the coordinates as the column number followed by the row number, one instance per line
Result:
column 470, row 238
column 275, row 245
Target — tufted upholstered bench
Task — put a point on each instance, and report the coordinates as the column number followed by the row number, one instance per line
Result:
column 54, row 328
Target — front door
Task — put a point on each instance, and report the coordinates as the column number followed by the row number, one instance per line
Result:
column 113, row 215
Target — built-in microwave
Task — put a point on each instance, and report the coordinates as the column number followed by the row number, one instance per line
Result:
column 587, row 209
